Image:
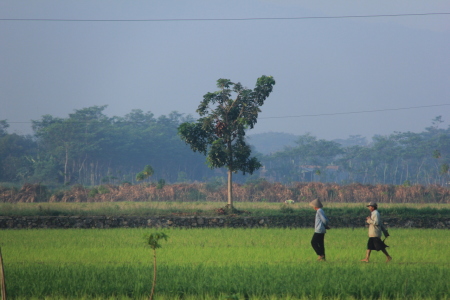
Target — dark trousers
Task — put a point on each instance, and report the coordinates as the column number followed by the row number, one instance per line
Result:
column 318, row 244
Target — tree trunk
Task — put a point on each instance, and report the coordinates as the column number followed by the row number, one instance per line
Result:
column 2, row 277
column 230, row 190
column 154, row 276
column 66, row 162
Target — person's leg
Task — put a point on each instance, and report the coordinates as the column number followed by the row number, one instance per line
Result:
column 369, row 248
column 388, row 257
column 314, row 243
column 317, row 244
column 367, row 256
column 321, row 241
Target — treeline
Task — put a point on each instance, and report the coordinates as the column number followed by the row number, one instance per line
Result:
column 90, row 149
column 399, row 159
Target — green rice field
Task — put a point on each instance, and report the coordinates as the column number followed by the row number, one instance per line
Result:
column 223, row 264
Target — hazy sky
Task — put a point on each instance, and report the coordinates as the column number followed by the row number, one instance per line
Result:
column 323, row 67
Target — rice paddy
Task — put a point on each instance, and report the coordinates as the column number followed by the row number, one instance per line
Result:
column 223, row 264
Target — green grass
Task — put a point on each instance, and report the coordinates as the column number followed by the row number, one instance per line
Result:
column 209, row 209
column 213, row 263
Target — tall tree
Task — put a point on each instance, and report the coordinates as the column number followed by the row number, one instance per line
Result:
column 3, row 126
column 219, row 132
column 15, row 153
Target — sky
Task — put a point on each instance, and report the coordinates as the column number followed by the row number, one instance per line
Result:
column 335, row 77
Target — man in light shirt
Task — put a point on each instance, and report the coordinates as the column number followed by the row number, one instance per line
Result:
column 320, row 228
column 375, row 229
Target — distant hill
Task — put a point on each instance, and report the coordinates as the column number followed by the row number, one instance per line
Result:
column 271, row 142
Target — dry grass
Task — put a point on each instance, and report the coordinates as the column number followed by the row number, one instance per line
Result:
column 262, row 191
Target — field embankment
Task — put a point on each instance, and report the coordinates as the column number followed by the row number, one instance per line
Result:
column 100, row 222
column 210, row 215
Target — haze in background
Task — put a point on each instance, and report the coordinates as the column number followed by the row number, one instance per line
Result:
column 324, row 68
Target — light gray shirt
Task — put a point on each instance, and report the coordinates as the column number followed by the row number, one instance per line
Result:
column 375, row 224
column 321, row 221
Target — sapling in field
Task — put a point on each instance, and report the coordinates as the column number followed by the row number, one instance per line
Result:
column 153, row 241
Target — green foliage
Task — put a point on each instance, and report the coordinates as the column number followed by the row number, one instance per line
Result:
column 93, row 192
column 147, row 172
column 161, row 184
column 392, row 159
column 436, row 154
column 89, row 148
column 103, row 189
column 153, row 239
column 286, row 209
column 15, row 154
column 444, row 169
column 219, row 133
column 100, row 149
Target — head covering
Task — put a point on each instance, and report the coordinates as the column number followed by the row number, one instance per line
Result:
column 316, row 203
column 374, row 204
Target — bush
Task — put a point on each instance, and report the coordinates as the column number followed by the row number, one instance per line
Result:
column 286, row 209
column 93, row 192
column 161, row 184
column 103, row 189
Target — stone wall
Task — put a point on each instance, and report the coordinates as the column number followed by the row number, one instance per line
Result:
column 207, row 222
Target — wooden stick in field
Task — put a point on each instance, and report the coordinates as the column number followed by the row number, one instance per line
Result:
column 2, row 277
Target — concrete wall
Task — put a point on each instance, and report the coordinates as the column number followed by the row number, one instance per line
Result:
column 207, row 222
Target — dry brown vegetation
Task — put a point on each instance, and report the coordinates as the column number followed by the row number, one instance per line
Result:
column 257, row 192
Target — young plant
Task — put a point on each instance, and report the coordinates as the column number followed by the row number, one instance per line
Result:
column 153, row 241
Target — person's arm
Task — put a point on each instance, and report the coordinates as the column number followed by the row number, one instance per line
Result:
column 373, row 219
column 323, row 218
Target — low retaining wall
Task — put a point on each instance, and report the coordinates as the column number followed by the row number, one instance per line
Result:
column 206, row 222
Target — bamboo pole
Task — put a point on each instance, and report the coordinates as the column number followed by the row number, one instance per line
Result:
column 2, row 277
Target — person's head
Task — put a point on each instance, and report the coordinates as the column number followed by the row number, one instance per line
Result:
column 372, row 206
column 316, row 204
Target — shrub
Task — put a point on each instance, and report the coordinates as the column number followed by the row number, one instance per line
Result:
column 286, row 209
column 103, row 189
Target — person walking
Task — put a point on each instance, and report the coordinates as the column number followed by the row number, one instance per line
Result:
column 375, row 229
column 320, row 228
